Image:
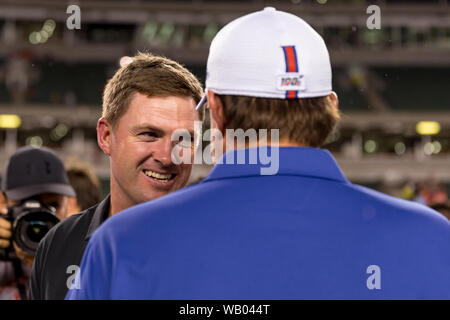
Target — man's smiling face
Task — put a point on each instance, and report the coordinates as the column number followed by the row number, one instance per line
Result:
column 141, row 147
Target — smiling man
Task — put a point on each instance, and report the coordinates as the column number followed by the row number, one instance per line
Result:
column 143, row 169
column 144, row 103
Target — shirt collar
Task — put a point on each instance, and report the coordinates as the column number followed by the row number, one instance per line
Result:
column 293, row 161
column 101, row 213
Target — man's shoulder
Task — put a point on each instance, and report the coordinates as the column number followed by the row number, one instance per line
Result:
column 406, row 212
column 74, row 224
column 62, row 247
column 82, row 219
column 152, row 213
column 356, row 204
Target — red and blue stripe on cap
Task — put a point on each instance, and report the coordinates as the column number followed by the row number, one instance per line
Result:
column 290, row 57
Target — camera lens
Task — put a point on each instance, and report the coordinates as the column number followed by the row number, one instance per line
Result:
column 31, row 227
column 36, row 230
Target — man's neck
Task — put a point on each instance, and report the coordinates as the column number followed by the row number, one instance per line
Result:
column 280, row 144
column 114, row 207
column 119, row 201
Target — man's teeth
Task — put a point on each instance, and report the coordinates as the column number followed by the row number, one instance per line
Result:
column 159, row 176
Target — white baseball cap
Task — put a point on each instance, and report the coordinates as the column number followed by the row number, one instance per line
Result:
column 268, row 54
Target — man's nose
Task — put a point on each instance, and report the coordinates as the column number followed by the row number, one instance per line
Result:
column 163, row 152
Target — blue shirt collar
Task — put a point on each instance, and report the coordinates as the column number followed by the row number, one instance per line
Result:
column 293, row 161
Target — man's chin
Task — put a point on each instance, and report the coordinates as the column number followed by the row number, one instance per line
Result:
column 152, row 189
column 154, row 195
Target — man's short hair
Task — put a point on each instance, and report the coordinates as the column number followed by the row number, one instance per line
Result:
column 86, row 184
column 306, row 121
column 150, row 75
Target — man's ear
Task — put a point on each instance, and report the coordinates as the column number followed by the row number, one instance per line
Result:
column 334, row 99
column 216, row 112
column 104, row 135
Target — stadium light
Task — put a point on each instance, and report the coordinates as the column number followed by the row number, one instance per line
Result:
column 125, row 60
column 400, row 148
column 428, row 148
column 370, row 146
column 428, row 127
column 9, row 121
column 44, row 34
column 34, row 141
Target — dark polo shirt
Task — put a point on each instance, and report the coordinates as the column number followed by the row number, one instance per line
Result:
column 60, row 252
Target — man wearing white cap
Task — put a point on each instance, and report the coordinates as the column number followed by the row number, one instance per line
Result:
column 302, row 232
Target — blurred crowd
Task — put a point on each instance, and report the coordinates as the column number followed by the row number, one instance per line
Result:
column 428, row 192
column 14, row 277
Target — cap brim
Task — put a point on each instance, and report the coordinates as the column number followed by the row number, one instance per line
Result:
column 202, row 102
column 30, row 191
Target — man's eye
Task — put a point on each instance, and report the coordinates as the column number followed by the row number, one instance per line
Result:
column 186, row 143
column 148, row 134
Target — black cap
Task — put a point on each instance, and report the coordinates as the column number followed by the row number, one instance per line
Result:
column 31, row 171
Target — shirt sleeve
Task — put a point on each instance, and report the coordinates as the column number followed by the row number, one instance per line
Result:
column 95, row 273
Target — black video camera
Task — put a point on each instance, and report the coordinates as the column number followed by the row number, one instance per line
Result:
column 31, row 220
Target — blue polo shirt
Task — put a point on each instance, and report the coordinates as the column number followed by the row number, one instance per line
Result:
column 304, row 233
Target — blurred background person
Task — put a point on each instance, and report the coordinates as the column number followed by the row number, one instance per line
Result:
column 427, row 192
column 36, row 183
column 443, row 208
column 20, row 75
column 87, row 186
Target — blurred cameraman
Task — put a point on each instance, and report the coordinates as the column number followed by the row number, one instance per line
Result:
column 83, row 180
column 35, row 188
